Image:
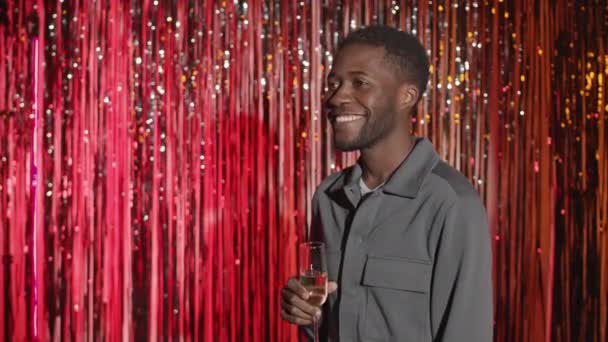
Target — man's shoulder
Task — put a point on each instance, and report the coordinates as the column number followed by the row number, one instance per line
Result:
column 450, row 182
column 460, row 198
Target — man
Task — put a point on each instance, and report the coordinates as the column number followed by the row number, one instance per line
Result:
column 407, row 238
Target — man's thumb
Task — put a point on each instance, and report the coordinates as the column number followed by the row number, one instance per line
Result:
column 332, row 286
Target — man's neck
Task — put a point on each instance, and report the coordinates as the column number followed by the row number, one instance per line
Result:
column 381, row 160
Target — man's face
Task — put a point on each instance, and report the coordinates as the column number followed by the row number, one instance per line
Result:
column 362, row 98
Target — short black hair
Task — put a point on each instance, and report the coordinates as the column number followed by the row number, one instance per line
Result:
column 403, row 49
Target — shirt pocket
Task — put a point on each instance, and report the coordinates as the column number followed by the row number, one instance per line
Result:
column 405, row 274
column 396, row 306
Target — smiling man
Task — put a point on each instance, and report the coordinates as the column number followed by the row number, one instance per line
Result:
column 408, row 245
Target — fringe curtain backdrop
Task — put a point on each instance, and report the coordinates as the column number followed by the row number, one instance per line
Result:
column 157, row 158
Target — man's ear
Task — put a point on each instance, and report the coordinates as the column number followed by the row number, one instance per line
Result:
column 407, row 96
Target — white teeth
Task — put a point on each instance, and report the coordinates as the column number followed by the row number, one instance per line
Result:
column 347, row 118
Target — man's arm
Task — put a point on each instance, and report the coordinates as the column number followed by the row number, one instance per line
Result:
column 461, row 298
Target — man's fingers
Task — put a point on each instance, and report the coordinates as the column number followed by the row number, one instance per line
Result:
column 293, row 299
column 295, row 320
column 295, row 311
column 294, row 285
column 294, row 307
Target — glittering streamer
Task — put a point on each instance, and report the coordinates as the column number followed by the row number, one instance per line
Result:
column 178, row 145
column 34, row 186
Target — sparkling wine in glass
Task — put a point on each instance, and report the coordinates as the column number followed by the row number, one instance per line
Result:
column 313, row 276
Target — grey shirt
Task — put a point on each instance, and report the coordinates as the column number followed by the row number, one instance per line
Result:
column 412, row 258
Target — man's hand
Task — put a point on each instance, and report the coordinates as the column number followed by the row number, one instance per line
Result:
column 294, row 306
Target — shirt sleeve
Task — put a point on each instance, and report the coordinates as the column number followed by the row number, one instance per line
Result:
column 461, row 294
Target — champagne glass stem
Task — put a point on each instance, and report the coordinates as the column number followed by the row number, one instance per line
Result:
column 315, row 322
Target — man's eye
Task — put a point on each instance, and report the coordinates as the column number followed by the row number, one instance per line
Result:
column 359, row 82
column 333, row 85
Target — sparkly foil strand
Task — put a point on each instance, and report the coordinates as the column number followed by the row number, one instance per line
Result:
column 179, row 144
column 34, row 186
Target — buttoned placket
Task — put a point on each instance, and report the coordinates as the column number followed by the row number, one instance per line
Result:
column 353, row 260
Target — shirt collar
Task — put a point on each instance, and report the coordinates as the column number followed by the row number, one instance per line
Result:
column 405, row 181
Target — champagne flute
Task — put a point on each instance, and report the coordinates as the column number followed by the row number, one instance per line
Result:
column 313, row 276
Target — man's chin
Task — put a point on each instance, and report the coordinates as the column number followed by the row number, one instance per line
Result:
column 343, row 146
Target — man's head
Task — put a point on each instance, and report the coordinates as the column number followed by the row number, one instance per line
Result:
column 378, row 76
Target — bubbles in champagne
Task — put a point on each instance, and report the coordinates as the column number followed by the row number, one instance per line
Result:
column 316, row 285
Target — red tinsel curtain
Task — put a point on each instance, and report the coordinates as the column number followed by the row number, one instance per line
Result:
column 157, row 158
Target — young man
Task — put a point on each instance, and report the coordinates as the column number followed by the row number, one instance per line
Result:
column 407, row 238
